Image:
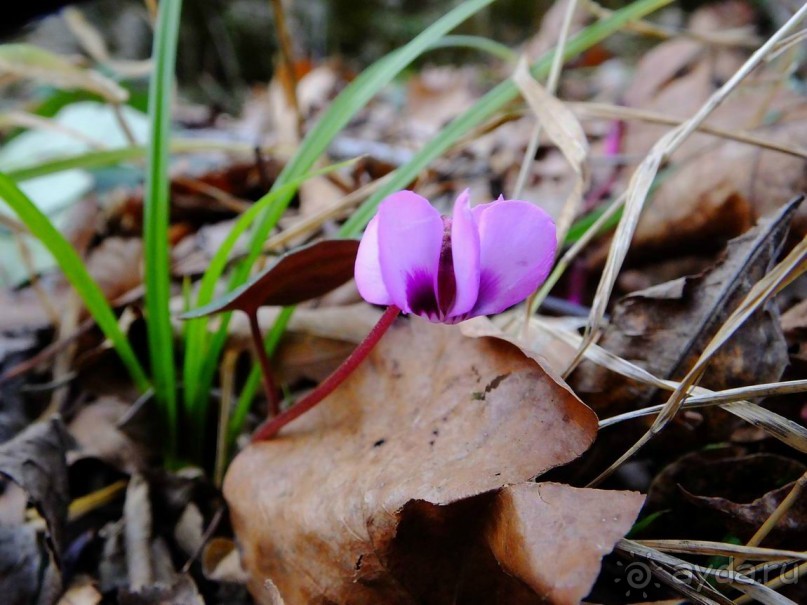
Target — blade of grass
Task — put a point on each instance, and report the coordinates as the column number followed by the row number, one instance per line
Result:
column 156, row 209
column 111, row 157
column 76, row 273
column 480, row 43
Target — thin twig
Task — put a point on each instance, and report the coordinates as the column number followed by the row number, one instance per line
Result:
column 289, row 83
column 227, row 395
column 605, row 110
column 776, row 516
column 552, row 86
column 717, row 398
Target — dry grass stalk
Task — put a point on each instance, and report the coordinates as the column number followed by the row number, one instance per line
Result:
column 707, row 548
column 574, row 250
column 776, row 516
column 565, row 132
column 719, row 397
column 551, row 87
column 606, row 110
column 697, row 573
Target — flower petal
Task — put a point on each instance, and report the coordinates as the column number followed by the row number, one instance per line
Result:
column 368, row 268
column 410, row 236
column 517, row 248
column 465, row 251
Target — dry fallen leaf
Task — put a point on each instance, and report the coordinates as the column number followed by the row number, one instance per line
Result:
column 35, row 460
column 95, row 429
column 725, row 490
column 430, row 420
column 553, row 536
column 222, row 562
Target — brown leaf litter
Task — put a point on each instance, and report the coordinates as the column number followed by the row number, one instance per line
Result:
column 35, row 461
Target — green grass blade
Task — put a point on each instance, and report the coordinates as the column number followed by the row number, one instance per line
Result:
column 586, row 222
column 111, row 157
column 75, row 272
column 480, row 43
column 156, row 209
column 488, row 105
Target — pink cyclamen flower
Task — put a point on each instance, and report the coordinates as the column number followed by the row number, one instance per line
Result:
column 479, row 261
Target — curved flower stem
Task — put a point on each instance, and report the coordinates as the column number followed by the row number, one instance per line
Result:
column 270, row 428
column 263, row 360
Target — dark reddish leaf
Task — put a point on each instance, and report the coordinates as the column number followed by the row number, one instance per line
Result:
column 298, row 276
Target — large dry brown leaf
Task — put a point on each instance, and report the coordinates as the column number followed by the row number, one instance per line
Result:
column 552, row 536
column 430, row 419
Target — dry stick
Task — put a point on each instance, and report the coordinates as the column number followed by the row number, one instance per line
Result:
column 774, row 518
column 643, row 179
column 551, row 86
column 33, row 276
column 606, row 110
column 572, row 252
column 714, row 399
column 124, row 125
column 227, row 200
column 270, row 428
column 777, row 582
column 738, row 37
column 227, row 393
column 64, row 360
column 206, row 536
column 266, row 369
column 289, row 83
column 784, row 273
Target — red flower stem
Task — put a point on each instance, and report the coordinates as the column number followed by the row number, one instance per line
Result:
column 263, row 360
column 271, row 427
